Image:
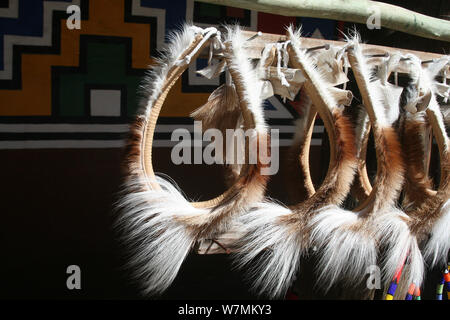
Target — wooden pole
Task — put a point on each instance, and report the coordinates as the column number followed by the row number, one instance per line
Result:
column 359, row 11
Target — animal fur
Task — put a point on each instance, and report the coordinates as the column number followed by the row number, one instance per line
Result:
column 160, row 226
column 445, row 109
column 349, row 242
column 276, row 236
column 157, row 244
column 268, row 250
column 415, row 137
column 438, row 245
column 222, row 112
column 431, row 214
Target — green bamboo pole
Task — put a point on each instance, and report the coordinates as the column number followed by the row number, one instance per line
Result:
column 392, row 17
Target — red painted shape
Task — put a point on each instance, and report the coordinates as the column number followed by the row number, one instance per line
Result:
column 340, row 30
column 235, row 12
column 273, row 23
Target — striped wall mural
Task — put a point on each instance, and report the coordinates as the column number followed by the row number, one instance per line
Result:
column 79, row 88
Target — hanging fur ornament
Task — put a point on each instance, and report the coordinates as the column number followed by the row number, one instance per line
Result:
column 431, row 213
column 397, row 289
column 261, row 211
column 276, row 237
column 419, row 200
column 350, row 241
column 364, row 187
column 157, row 223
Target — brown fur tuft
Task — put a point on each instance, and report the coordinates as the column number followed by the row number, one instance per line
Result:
column 417, row 180
column 390, row 169
column 132, row 166
column 221, row 111
column 428, row 212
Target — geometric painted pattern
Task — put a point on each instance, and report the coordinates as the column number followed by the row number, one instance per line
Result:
column 54, row 80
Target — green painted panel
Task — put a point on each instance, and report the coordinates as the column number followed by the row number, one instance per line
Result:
column 106, row 65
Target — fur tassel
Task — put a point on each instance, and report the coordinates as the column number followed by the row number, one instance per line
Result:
column 438, row 245
column 145, row 223
column 156, row 242
column 270, row 248
column 346, row 249
column 397, row 241
column 222, row 112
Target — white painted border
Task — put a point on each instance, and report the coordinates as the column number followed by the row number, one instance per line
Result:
column 60, row 127
column 12, row 11
column 62, row 144
column 113, row 128
column 101, row 144
column 159, row 14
